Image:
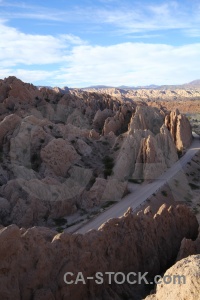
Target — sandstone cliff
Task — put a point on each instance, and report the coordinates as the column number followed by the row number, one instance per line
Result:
column 185, row 99
column 34, row 261
column 77, row 149
column 180, row 129
column 189, row 286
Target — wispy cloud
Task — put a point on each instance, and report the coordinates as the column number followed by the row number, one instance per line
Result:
column 29, row 75
column 29, row 49
column 125, row 17
column 66, row 59
column 146, row 63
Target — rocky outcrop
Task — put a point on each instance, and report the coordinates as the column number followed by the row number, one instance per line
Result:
column 146, row 118
column 188, row 288
column 34, row 261
column 145, row 156
column 29, row 201
column 167, row 146
column 158, row 94
column 59, row 155
column 150, row 161
column 13, row 88
column 189, row 247
column 180, row 129
column 103, row 191
column 100, row 118
column 8, row 125
column 47, row 135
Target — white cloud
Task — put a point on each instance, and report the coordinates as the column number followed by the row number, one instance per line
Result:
column 131, row 64
column 125, row 17
column 28, row 49
column 29, row 75
column 67, row 60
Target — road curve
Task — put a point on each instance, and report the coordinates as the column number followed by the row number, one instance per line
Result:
column 136, row 198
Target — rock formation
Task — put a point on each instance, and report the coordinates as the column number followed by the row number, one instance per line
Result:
column 188, row 288
column 185, row 98
column 146, row 118
column 180, row 129
column 51, row 141
column 33, row 262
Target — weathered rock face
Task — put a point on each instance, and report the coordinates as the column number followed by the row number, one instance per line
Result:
column 104, row 190
column 47, row 135
column 150, row 161
column 100, row 118
column 180, row 129
column 8, row 125
column 146, row 118
column 144, row 155
column 13, row 88
column 167, row 146
column 188, row 267
column 31, row 201
column 189, row 247
column 59, row 155
column 185, row 98
column 34, row 261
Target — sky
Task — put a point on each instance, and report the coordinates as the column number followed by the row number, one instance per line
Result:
column 78, row 43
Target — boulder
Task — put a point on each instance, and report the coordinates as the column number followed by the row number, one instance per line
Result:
column 188, row 288
column 59, row 155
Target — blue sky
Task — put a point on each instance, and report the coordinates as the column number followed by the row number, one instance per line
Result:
column 81, row 43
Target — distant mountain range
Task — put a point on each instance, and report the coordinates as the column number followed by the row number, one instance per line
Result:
column 195, row 84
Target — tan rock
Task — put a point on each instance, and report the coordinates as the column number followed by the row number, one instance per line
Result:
column 8, row 125
column 146, row 118
column 94, row 135
column 30, row 201
column 100, row 117
column 104, row 190
column 83, row 148
column 180, row 129
column 188, row 288
column 59, row 155
column 189, row 247
column 34, row 261
column 150, row 161
column 125, row 160
column 113, row 124
column 166, row 144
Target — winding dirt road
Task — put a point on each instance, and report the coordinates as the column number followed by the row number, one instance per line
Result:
column 138, row 196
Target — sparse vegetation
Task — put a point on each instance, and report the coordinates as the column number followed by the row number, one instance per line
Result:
column 108, row 164
column 164, row 193
column 108, row 203
column 59, row 229
column 74, row 223
column 179, row 153
column 194, row 186
column 107, row 172
column 1, row 155
column 60, row 221
column 116, row 148
column 35, row 162
column 138, row 181
column 195, row 210
column 176, row 182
